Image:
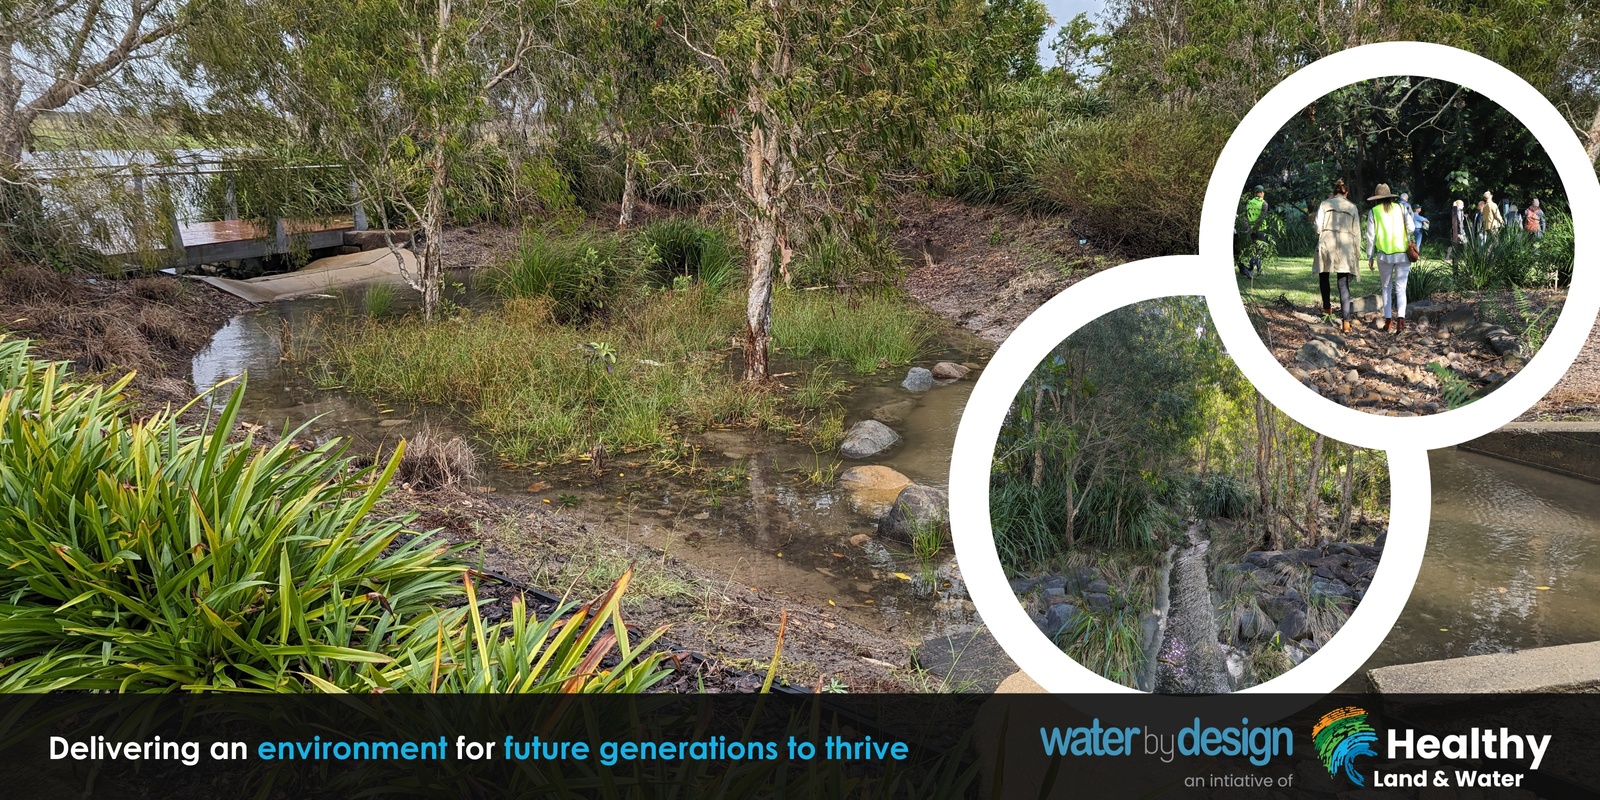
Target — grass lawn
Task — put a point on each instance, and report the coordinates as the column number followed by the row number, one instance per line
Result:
column 1291, row 277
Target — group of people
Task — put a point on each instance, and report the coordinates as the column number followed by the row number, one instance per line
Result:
column 1390, row 234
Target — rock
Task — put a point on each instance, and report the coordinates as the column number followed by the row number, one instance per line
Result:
column 1053, row 582
column 1021, row 586
column 1060, row 617
column 1304, row 317
column 1098, row 601
column 949, row 371
column 918, row 380
column 893, row 413
column 346, row 250
column 868, row 438
column 916, row 506
column 1318, row 354
column 1331, row 338
column 871, row 489
column 860, row 539
column 1278, row 608
column 1097, row 587
column 1366, row 305
column 1352, row 377
column 1294, row 626
column 1461, row 318
column 1329, row 588
column 1251, row 626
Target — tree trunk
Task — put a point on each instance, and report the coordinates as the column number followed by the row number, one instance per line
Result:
column 13, row 128
column 1345, row 492
column 1593, row 145
column 432, row 225
column 1070, row 534
column 630, row 189
column 758, row 304
column 1038, row 440
column 1313, row 496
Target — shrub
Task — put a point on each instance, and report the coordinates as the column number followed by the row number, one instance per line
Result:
column 1426, row 281
column 686, row 248
column 1134, row 181
column 1222, row 496
column 583, row 272
column 142, row 557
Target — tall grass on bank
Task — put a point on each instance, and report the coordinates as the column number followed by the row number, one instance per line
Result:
column 142, row 556
column 582, row 272
column 540, row 390
column 686, row 249
column 867, row 330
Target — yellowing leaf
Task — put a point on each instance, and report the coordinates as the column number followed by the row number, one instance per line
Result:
column 1542, row 588
column 902, row 576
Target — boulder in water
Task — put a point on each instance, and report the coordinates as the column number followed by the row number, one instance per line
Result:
column 893, row 413
column 871, row 489
column 868, row 438
column 949, row 371
column 918, row 380
column 917, row 506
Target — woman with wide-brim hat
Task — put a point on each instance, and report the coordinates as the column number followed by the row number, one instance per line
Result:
column 1338, row 226
column 1388, row 236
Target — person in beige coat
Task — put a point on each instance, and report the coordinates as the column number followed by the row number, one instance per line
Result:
column 1338, row 226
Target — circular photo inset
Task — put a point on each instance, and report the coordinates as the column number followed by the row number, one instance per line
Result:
column 1163, row 524
column 1403, row 245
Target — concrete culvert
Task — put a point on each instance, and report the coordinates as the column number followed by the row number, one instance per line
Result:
column 434, row 461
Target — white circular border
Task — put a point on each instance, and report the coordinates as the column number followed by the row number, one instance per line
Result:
column 1227, row 307
column 973, row 456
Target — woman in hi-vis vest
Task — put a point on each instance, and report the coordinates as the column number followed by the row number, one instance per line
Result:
column 1388, row 233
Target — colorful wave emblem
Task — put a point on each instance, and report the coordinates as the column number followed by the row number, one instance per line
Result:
column 1340, row 736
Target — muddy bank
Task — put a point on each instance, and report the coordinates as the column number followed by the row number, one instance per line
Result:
column 988, row 267
column 151, row 326
column 736, row 625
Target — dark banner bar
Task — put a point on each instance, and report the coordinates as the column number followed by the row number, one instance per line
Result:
column 923, row 746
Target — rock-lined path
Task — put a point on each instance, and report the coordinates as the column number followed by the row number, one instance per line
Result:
column 1386, row 373
column 1191, row 660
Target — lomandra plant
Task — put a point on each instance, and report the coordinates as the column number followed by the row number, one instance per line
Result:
column 140, row 556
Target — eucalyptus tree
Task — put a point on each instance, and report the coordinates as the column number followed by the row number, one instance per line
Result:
column 53, row 52
column 790, row 111
column 398, row 91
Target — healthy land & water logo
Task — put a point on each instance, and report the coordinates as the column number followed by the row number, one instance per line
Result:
column 1344, row 734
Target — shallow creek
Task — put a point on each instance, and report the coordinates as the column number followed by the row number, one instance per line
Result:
column 1513, row 562
column 779, row 531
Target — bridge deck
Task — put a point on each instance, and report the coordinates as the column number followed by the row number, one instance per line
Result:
column 234, row 239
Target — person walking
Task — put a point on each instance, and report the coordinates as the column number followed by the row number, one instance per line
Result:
column 1388, row 240
column 1491, row 220
column 1458, row 229
column 1338, row 226
column 1419, row 223
column 1533, row 221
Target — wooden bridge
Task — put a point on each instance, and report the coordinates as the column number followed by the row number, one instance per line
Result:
column 197, row 242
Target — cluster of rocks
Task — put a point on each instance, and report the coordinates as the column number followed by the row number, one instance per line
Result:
column 881, row 493
column 1055, row 601
column 1389, row 374
column 1340, row 573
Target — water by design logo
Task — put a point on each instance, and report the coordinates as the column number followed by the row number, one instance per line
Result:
column 1340, row 736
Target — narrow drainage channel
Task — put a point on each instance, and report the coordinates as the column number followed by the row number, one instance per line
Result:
column 781, row 532
column 1191, row 661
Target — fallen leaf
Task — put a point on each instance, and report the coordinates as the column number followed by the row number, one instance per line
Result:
column 837, row 555
column 547, row 499
column 1444, row 630
column 538, row 486
column 780, row 555
column 831, row 603
column 665, row 512
column 1542, row 588
column 902, row 576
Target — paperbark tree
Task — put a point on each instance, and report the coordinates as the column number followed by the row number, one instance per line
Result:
column 792, row 110
column 397, row 90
